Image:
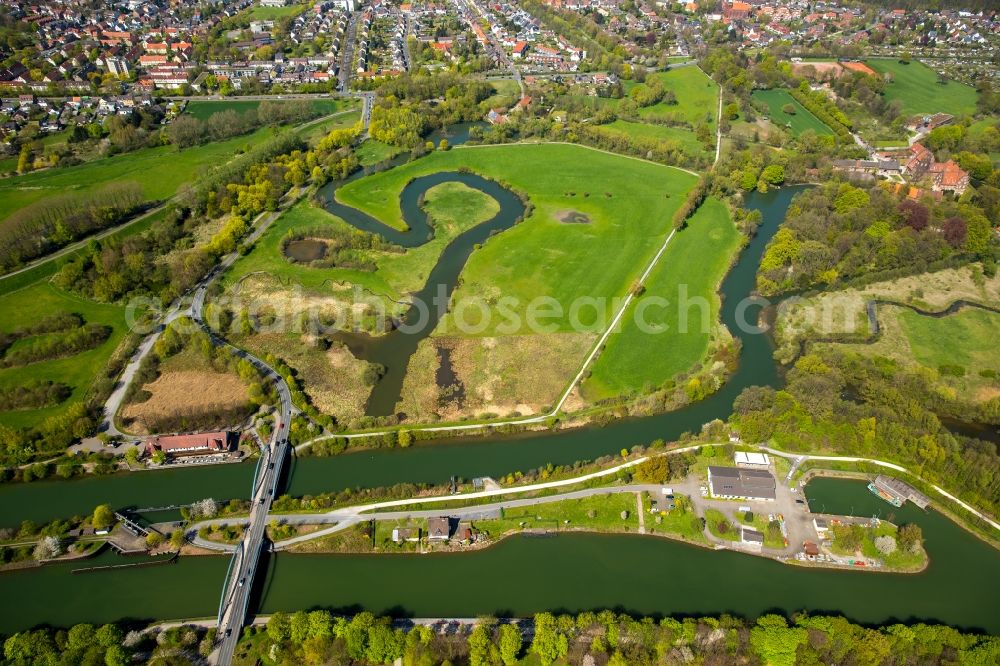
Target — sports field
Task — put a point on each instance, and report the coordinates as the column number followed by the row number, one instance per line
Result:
column 685, row 138
column 696, row 261
column 802, row 120
column 915, row 86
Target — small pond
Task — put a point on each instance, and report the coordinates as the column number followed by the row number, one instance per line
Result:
column 305, row 250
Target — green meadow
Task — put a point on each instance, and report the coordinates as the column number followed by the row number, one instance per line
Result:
column 696, row 260
column 697, row 96
column 453, row 207
column 203, row 109
column 686, row 138
column 916, row 86
column 626, row 204
column 259, row 13
column 971, row 336
column 159, row 170
column 28, row 306
column 802, row 120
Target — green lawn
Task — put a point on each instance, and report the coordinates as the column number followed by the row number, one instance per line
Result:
column 159, row 170
column 916, row 86
column 628, row 203
column 686, row 138
column 372, row 152
column 721, row 526
column 600, row 513
column 697, row 96
column 203, row 109
column 966, row 338
column 648, row 355
column 802, row 120
column 28, row 306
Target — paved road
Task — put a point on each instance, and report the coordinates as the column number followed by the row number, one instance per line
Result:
column 186, row 306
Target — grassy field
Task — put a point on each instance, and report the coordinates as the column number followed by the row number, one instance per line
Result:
column 966, row 365
column 203, row 109
column 696, row 260
column 916, row 86
column 317, row 130
column 697, row 96
column 840, row 313
column 628, row 204
column 602, row 513
column 971, row 336
column 259, row 13
column 159, row 170
column 372, row 152
column 28, row 306
column 686, row 138
column 800, row 121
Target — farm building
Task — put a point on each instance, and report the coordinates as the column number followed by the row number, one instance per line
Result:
column 198, row 444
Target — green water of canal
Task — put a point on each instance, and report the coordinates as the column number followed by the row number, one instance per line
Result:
column 436, row 462
column 520, row 575
column 571, row 572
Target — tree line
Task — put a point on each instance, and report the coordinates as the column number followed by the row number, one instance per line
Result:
column 610, row 638
column 57, row 220
column 186, row 130
column 837, row 232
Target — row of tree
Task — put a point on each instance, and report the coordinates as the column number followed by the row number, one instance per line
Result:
column 614, row 639
column 57, row 220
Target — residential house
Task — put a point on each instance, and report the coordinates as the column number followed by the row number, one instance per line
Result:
column 438, row 529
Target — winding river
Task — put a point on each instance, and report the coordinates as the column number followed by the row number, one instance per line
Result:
column 521, row 575
column 393, row 351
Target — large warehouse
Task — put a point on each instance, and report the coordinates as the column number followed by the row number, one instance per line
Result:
column 740, row 483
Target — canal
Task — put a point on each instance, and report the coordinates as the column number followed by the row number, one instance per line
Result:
column 437, row 461
column 521, row 575
column 570, row 572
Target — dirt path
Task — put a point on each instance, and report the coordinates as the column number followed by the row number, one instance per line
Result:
column 640, row 512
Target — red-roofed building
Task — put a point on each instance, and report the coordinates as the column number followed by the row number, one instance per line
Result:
column 949, row 177
column 735, row 11
column 198, row 444
column 919, row 161
column 519, row 49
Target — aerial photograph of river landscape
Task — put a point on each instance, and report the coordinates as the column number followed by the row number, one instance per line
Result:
column 527, row 332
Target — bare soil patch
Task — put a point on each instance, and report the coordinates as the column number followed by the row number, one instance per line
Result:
column 572, row 217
